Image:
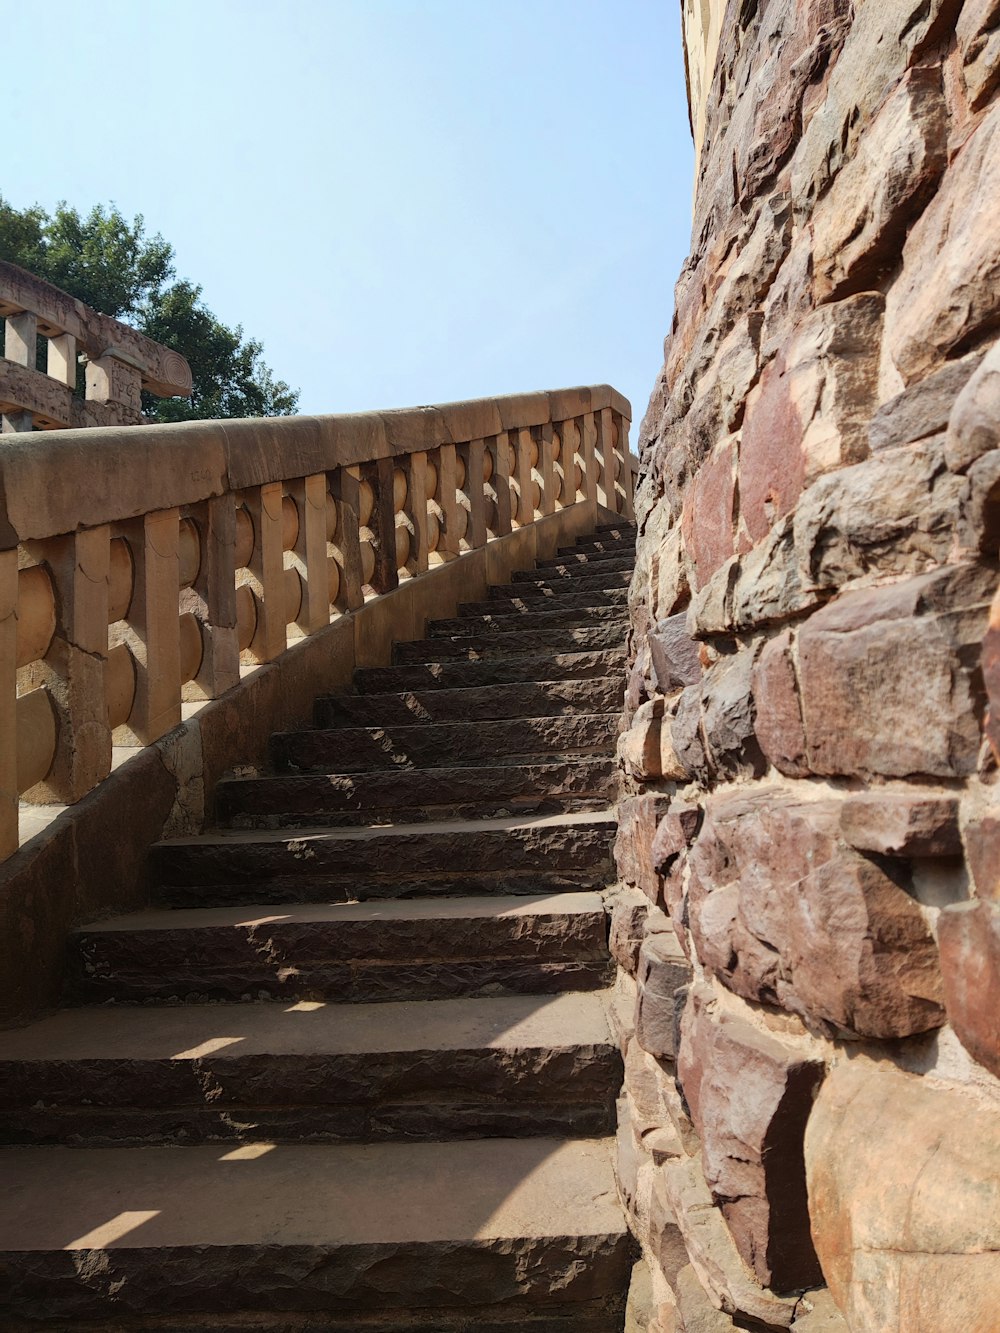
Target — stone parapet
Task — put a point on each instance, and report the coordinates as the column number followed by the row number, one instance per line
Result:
column 809, row 752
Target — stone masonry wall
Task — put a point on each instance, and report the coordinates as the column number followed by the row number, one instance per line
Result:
column 808, row 924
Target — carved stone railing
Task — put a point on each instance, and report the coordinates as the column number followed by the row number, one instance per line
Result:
column 119, row 361
column 142, row 569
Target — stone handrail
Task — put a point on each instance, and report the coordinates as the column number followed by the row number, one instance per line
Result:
column 120, row 361
column 143, row 569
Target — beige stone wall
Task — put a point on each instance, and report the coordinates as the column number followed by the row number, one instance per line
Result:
column 809, row 924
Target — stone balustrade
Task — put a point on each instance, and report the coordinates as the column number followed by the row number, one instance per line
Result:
column 143, row 570
column 119, row 361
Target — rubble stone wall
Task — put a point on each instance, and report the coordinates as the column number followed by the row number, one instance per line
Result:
column 808, row 924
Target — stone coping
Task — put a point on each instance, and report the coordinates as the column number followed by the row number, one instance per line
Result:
column 64, row 480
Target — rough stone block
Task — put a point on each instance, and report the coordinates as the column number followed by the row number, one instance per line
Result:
column 811, row 409
column 895, row 823
column 924, row 408
column 638, row 817
column 728, row 715
column 675, row 833
column 859, row 224
column 663, row 970
column 709, row 512
column 716, row 1261
column 674, row 654
column 783, row 913
column 750, row 1095
column 629, row 909
column 904, row 1197
column 978, row 32
column 638, row 748
column 974, row 422
column 780, row 732
column 686, row 736
column 902, row 658
column 981, row 839
column 991, row 674
column 949, row 290
column 969, row 940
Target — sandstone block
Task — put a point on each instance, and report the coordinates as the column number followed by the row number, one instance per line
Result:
column 978, row 32
column 728, row 716
column 859, row 224
column 665, row 1238
column 638, row 748
column 723, row 1275
column 663, row 970
column 698, row 1314
column 750, row 1095
column 924, row 408
column 783, row 913
column 982, row 853
column 686, row 736
column 969, row 940
column 902, row 657
column 904, row 1197
column 895, row 823
column 709, row 512
column 753, row 590
column 629, row 909
column 974, row 422
column 949, row 289
column 892, row 514
column 669, row 580
column 638, row 817
column 779, row 714
column 820, row 1314
column 991, row 674
column 811, row 409
column 673, row 654
column 675, row 833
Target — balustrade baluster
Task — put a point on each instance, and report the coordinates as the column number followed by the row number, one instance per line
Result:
column 20, row 346
column 345, row 485
column 266, row 571
column 588, row 451
column 499, row 448
column 212, row 601
column 547, row 468
column 383, row 526
column 448, row 546
column 606, row 449
column 60, row 360
column 8, row 704
column 152, row 628
column 626, row 504
column 309, row 552
column 416, row 495
column 475, row 484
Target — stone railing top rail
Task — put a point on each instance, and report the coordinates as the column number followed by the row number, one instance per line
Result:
column 162, row 372
column 68, row 480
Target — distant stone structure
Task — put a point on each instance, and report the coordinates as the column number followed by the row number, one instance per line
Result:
column 809, row 941
column 119, row 361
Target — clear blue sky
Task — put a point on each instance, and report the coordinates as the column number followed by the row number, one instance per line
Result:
column 407, row 201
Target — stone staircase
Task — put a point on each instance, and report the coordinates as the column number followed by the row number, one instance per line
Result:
column 353, row 1070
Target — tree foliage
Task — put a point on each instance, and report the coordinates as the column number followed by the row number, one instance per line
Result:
column 110, row 264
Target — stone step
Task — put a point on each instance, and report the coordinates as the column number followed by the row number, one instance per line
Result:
column 415, row 794
column 517, row 643
column 315, row 1072
column 469, row 675
column 556, row 582
column 404, row 949
column 487, row 703
column 491, row 856
column 530, row 621
column 603, row 545
column 364, row 1233
column 527, row 598
column 579, row 563
column 556, row 572
column 442, row 744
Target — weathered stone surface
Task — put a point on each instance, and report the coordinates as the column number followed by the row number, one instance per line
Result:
column 460, row 675
column 904, row 1196
column 674, row 654
column 859, row 224
column 601, row 694
column 974, row 422
column 893, row 514
column 991, row 674
column 675, row 833
column 810, row 411
column 897, row 823
column 784, row 914
column 707, row 523
column 820, row 1314
column 978, row 34
column 949, row 290
column 969, row 940
column 750, row 1096
column 903, row 658
column 686, row 734
column 639, row 747
column 713, row 1253
column 663, row 970
column 629, row 909
column 698, row 1314
column 981, row 839
column 779, row 727
column 924, row 408
column 754, row 590
column 637, row 820
column 728, row 716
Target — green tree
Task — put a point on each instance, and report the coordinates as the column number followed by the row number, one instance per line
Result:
column 110, row 263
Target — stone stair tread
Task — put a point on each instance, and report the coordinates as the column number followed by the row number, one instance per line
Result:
column 443, row 827
column 578, row 665
column 192, row 1032
column 189, row 1229
column 252, row 916
column 517, row 642
column 483, row 703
